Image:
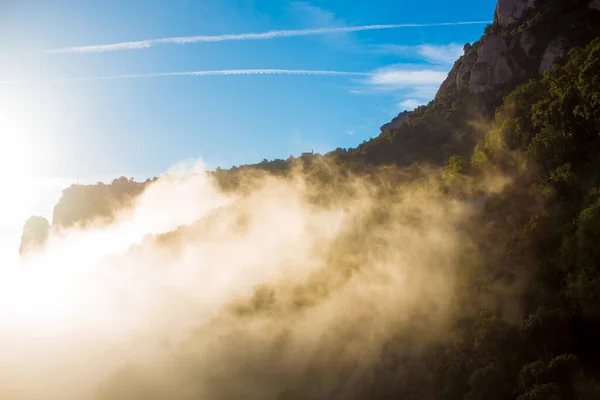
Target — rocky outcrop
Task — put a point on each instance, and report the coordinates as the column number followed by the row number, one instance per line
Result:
column 493, row 67
column 403, row 116
column 507, row 55
column 509, row 12
column 81, row 204
column 555, row 50
column 35, row 234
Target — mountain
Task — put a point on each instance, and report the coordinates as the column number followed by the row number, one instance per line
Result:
column 523, row 103
column 526, row 39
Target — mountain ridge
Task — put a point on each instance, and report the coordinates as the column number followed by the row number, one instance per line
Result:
column 514, row 48
column 527, row 302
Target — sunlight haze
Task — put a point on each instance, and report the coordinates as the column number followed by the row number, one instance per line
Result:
column 299, row 200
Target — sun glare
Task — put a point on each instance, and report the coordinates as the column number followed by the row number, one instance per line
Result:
column 18, row 155
column 17, row 152
column 19, row 170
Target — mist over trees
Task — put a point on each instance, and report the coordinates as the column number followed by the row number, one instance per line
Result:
column 523, row 318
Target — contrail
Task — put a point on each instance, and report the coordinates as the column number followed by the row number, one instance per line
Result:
column 144, row 44
column 207, row 73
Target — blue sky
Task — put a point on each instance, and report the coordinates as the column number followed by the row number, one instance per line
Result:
column 141, row 125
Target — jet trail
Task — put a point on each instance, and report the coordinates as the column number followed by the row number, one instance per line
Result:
column 144, row 44
column 206, row 73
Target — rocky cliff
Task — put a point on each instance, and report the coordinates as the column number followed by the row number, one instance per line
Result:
column 509, row 12
column 35, row 234
column 79, row 205
column 526, row 39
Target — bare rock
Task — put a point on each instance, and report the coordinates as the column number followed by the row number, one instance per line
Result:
column 442, row 89
column 35, row 234
column 491, row 49
column 465, row 68
column 510, row 11
column 555, row 50
column 492, row 67
column 480, row 78
column 527, row 41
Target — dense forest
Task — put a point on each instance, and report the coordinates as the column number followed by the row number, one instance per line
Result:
column 524, row 319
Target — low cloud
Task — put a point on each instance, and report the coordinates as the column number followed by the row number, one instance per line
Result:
column 285, row 285
column 441, row 54
column 430, row 53
column 402, row 77
column 415, row 84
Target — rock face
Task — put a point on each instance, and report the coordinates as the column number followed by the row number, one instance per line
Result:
column 464, row 71
column 492, row 67
column 35, row 234
column 527, row 41
column 555, row 50
column 80, row 204
column 508, row 54
column 396, row 121
column 509, row 12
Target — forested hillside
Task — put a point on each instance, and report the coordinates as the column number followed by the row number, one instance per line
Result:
column 519, row 144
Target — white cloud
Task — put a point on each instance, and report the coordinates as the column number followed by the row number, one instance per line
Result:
column 423, row 92
column 144, row 44
column 441, row 54
column 403, row 77
column 358, row 91
column 409, row 104
column 432, row 53
column 383, row 79
column 416, row 84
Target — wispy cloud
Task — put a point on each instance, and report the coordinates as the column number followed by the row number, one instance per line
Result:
column 432, row 53
column 441, row 54
column 423, row 92
column 414, row 84
column 404, row 77
column 421, row 84
column 384, row 78
column 222, row 72
column 317, row 17
column 409, row 104
column 144, row 44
